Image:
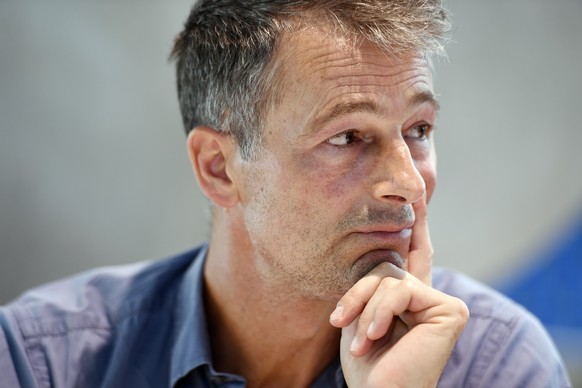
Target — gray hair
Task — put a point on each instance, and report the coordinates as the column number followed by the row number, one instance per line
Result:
column 225, row 54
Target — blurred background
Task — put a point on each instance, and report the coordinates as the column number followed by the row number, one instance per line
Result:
column 94, row 170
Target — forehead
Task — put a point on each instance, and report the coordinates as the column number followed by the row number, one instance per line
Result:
column 322, row 73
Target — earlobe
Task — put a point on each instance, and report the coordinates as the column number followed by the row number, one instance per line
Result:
column 209, row 153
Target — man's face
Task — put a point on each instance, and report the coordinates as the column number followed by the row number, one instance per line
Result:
column 346, row 153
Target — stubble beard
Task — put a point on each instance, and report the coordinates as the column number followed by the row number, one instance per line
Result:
column 306, row 262
column 325, row 275
column 308, row 271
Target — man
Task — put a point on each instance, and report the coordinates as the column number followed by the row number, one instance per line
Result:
column 310, row 127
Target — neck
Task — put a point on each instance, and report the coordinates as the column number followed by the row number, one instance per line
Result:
column 265, row 333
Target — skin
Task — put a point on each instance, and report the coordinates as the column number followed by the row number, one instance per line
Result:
column 332, row 209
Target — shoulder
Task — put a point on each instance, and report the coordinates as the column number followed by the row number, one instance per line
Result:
column 502, row 344
column 98, row 298
column 54, row 327
column 482, row 300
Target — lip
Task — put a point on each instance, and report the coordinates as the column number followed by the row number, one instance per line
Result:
column 388, row 236
column 384, row 244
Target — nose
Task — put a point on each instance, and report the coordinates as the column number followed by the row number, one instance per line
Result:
column 397, row 179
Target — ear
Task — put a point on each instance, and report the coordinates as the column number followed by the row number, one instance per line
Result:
column 209, row 151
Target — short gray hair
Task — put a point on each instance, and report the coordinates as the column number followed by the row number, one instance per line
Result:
column 225, row 53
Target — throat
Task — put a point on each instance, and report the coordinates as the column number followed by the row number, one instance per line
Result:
column 283, row 346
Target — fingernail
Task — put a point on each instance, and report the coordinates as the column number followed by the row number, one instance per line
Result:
column 370, row 329
column 354, row 345
column 338, row 313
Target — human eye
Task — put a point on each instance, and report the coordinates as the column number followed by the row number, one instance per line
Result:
column 419, row 132
column 343, row 139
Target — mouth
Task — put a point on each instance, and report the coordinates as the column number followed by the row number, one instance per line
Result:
column 384, row 244
column 385, row 238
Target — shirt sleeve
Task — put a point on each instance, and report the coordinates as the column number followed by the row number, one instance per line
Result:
column 15, row 368
column 502, row 345
column 525, row 356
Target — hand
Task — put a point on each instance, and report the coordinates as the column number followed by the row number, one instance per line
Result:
column 397, row 330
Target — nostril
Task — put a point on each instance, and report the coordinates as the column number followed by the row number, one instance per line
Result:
column 395, row 198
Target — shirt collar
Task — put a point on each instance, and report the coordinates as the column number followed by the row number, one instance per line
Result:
column 192, row 343
column 192, row 346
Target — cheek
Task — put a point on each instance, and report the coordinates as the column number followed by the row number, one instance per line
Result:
column 339, row 188
column 325, row 181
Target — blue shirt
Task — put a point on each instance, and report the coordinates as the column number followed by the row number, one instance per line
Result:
column 144, row 325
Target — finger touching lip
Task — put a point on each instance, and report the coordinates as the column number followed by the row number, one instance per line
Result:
column 377, row 256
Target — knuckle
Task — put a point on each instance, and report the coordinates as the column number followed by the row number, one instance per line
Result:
column 461, row 310
column 408, row 284
column 430, row 251
column 387, row 283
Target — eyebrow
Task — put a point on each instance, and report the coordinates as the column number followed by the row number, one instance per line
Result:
column 369, row 106
column 424, row 97
column 346, row 108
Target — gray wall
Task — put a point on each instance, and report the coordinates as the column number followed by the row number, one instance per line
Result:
column 93, row 158
column 93, row 167
column 510, row 133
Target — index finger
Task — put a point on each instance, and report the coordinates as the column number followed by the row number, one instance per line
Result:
column 421, row 251
column 354, row 301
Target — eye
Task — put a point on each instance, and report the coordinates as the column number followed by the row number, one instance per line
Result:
column 419, row 132
column 343, row 139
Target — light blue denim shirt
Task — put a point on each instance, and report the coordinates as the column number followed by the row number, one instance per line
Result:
column 144, row 325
